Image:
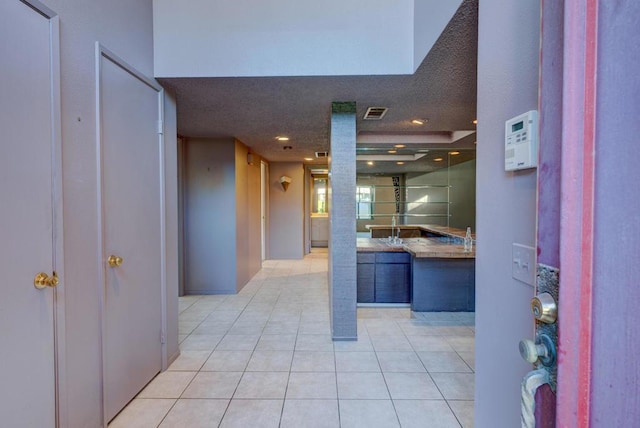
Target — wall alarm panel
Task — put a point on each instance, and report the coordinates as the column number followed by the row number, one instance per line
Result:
column 521, row 142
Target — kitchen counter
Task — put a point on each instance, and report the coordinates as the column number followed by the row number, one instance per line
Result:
column 452, row 232
column 417, row 247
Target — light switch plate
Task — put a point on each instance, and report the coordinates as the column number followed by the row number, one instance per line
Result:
column 523, row 264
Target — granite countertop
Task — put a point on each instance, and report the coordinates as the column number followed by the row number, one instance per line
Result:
column 417, row 247
column 442, row 230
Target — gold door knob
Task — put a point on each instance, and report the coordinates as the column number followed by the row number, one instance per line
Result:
column 42, row 280
column 115, row 261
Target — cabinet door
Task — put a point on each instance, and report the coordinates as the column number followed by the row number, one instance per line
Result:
column 392, row 283
column 366, row 283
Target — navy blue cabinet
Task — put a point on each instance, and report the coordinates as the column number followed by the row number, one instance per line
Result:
column 443, row 285
column 384, row 277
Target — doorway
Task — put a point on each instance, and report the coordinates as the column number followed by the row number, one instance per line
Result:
column 318, row 208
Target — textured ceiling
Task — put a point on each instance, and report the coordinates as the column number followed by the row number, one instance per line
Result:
column 256, row 110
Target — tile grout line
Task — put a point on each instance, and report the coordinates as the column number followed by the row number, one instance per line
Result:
column 301, row 301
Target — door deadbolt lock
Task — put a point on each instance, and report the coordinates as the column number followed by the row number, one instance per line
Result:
column 42, row 280
column 115, row 261
column 544, row 308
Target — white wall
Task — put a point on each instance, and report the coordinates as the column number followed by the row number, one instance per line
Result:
column 508, row 53
column 125, row 28
column 204, row 38
column 210, row 216
column 286, row 211
column 435, row 12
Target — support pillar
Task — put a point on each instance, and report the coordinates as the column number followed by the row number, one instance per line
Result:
column 342, row 237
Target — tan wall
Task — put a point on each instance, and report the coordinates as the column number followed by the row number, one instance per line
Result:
column 248, row 244
column 286, row 211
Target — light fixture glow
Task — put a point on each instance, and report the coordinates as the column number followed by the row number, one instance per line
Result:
column 400, row 163
column 369, row 163
column 418, row 121
column 437, row 160
column 285, row 180
column 308, row 159
column 474, row 121
column 392, row 151
column 282, row 138
column 399, row 146
column 454, row 153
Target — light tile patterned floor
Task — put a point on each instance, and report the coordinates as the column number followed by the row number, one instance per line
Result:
column 265, row 358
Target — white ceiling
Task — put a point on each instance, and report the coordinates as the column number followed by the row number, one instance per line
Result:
column 256, row 110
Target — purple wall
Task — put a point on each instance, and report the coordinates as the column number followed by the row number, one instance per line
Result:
column 550, row 153
column 508, row 59
column 616, row 281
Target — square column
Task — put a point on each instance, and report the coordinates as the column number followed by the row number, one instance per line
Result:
column 342, row 238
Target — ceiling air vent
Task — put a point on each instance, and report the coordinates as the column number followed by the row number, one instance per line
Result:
column 321, row 154
column 375, row 113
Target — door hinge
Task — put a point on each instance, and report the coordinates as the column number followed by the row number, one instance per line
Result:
column 162, row 340
column 160, row 127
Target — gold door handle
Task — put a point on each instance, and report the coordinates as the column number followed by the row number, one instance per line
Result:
column 114, row 261
column 42, row 280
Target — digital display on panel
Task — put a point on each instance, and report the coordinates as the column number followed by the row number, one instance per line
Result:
column 517, row 126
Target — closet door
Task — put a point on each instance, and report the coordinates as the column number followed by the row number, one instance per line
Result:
column 28, row 228
column 132, row 225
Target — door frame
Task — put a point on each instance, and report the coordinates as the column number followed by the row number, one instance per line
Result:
column 577, row 213
column 264, row 209
column 100, row 53
column 59, row 330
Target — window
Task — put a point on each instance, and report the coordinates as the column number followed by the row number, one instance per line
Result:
column 364, row 202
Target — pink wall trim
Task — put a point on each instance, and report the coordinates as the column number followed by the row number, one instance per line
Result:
column 576, row 251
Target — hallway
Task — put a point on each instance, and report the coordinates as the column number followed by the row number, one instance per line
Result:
column 265, row 358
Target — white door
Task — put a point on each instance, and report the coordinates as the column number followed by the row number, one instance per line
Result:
column 131, row 155
column 27, row 223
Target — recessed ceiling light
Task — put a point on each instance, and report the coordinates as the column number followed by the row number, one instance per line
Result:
column 400, row 163
column 282, row 138
column 369, row 163
column 423, row 150
column 454, row 153
column 308, row 159
column 399, row 146
column 474, row 121
column 392, row 151
column 437, row 160
column 419, row 121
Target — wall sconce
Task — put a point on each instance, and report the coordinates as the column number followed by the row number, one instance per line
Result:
column 250, row 158
column 285, row 181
